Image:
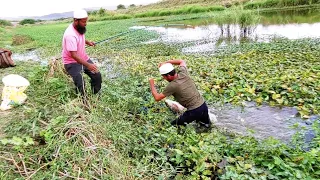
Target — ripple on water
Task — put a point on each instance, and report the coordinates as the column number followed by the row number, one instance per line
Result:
column 263, row 121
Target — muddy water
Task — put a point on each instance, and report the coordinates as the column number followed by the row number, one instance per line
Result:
column 29, row 55
column 263, row 121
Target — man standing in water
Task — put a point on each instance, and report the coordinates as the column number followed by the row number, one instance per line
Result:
column 182, row 87
column 75, row 58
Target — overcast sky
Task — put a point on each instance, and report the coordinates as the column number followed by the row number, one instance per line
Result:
column 15, row 8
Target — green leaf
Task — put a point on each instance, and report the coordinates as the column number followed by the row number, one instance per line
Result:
column 178, row 151
column 207, row 172
column 29, row 141
column 16, row 141
column 276, row 96
column 277, row 160
column 4, row 141
column 247, row 166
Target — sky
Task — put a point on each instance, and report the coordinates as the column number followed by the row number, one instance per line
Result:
column 18, row 8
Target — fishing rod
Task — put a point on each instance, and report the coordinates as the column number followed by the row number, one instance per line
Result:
column 117, row 35
column 140, row 28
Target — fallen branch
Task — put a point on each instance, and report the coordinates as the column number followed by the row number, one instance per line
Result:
column 24, row 166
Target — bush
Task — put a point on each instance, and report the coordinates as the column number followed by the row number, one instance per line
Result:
column 121, row 6
column 5, row 23
column 101, row 12
column 21, row 39
column 27, row 21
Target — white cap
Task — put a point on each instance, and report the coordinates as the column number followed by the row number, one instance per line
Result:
column 80, row 14
column 166, row 68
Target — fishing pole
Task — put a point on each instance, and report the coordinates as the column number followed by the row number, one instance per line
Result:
column 117, row 35
column 140, row 28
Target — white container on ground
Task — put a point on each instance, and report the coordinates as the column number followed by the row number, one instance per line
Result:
column 13, row 91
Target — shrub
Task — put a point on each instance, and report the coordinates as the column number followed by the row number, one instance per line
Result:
column 19, row 39
column 27, row 21
column 121, row 6
column 5, row 23
column 101, row 12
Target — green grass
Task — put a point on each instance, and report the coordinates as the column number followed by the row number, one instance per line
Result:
column 127, row 135
column 278, row 3
column 4, row 23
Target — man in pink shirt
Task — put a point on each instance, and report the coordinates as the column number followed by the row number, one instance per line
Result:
column 75, row 58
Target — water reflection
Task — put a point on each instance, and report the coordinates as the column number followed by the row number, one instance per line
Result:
column 204, row 35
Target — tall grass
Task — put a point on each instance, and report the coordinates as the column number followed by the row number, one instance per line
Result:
column 278, row 3
column 182, row 10
column 5, row 23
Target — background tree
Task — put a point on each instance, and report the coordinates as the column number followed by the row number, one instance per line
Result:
column 121, row 6
column 27, row 21
column 101, row 12
column 132, row 5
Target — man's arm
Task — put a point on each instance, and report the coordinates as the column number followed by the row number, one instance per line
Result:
column 90, row 66
column 90, row 43
column 175, row 62
column 156, row 95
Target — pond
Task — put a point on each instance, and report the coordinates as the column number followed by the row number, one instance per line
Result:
column 264, row 121
column 202, row 35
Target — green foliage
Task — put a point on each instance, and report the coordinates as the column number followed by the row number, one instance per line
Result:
column 27, row 21
column 101, row 12
column 126, row 135
column 20, row 39
column 121, row 6
column 278, row 3
column 132, row 5
column 181, row 10
column 5, row 23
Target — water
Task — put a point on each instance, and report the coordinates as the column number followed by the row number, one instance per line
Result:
column 263, row 121
column 202, row 35
column 29, row 55
column 107, row 65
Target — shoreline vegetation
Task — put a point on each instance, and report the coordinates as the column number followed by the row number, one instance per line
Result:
column 179, row 7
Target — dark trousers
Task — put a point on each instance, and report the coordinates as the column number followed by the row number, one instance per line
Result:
column 199, row 114
column 75, row 69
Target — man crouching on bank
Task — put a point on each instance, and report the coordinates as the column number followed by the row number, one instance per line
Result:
column 182, row 87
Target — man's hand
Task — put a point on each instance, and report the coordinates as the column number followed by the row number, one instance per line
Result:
column 151, row 81
column 160, row 64
column 154, row 92
column 91, row 43
column 93, row 68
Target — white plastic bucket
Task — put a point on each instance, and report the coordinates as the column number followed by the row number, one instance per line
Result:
column 13, row 91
